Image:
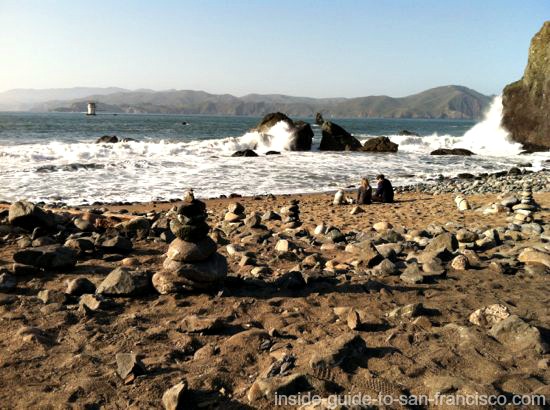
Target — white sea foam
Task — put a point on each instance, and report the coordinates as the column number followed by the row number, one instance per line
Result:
column 149, row 170
column 487, row 137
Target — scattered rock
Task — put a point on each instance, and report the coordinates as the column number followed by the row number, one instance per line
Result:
column 52, row 296
column 412, row 274
column 407, row 311
column 129, row 366
column 92, row 302
column 489, row 315
column 356, row 210
column 518, row 335
column 368, row 254
column 460, row 262
column 80, row 286
column 443, row 242
column 173, row 398
column 116, row 244
column 29, row 216
column 530, row 256
column 245, row 153
column 124, row 282
column 452, row 151
column 283, row 245
column 107, row 139
column 47, row 257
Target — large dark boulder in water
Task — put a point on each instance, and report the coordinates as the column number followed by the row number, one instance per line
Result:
column 303, row 137
column 380, row 144
column 107, row 139
column 335, row 138
column 526, row 103
column 302, row 134
column 452, row 151
column 244, row 153
column 269, row 120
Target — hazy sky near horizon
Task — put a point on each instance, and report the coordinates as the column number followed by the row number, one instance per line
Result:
column 311, row 48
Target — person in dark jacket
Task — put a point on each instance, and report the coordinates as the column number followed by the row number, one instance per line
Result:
column 364, row 193
column 384, row 191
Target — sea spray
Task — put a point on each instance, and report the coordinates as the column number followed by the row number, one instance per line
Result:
column 487, row 137
column 159, row 168
column 278, row 138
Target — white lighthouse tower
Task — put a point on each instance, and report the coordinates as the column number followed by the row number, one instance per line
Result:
column 91, row 108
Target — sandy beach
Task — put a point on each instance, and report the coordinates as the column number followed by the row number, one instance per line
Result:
column 316, row 317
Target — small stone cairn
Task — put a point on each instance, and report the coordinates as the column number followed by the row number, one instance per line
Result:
column 191, row 261
column 523, row 212
column 291, row 215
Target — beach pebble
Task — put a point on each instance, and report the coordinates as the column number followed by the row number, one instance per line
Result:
column 80, row 286
column 356, row 210
column 460, row 262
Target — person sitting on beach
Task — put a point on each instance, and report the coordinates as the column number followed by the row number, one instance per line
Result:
column 364, row 193
column 384, row 191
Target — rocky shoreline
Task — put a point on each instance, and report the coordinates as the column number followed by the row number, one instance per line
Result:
column 498, row 182
column 230, row 302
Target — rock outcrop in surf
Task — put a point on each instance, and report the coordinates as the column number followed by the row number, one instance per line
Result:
column 526, row 102
column 335, row 138
column 379, row 144
column 302, row 134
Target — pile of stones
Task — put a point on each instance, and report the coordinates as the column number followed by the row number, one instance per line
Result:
column 192, row 262
column 291, row 215
column 523, row 212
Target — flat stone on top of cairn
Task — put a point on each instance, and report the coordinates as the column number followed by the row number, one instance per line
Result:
column 191, row 260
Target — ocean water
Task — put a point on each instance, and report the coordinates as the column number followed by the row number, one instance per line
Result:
column 53, row 156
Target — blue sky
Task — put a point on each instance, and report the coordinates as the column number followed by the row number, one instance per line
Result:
column 309, row 48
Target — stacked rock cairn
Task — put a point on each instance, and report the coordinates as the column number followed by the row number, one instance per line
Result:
column 291, row 215
column 192, row 262
column 523, row 212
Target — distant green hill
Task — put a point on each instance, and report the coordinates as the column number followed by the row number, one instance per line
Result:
column 442, row 102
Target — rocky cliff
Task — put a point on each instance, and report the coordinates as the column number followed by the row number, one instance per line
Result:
column 526, row 102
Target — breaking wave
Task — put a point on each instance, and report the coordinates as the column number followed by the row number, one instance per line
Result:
column 77, row 172
column 487, row 137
